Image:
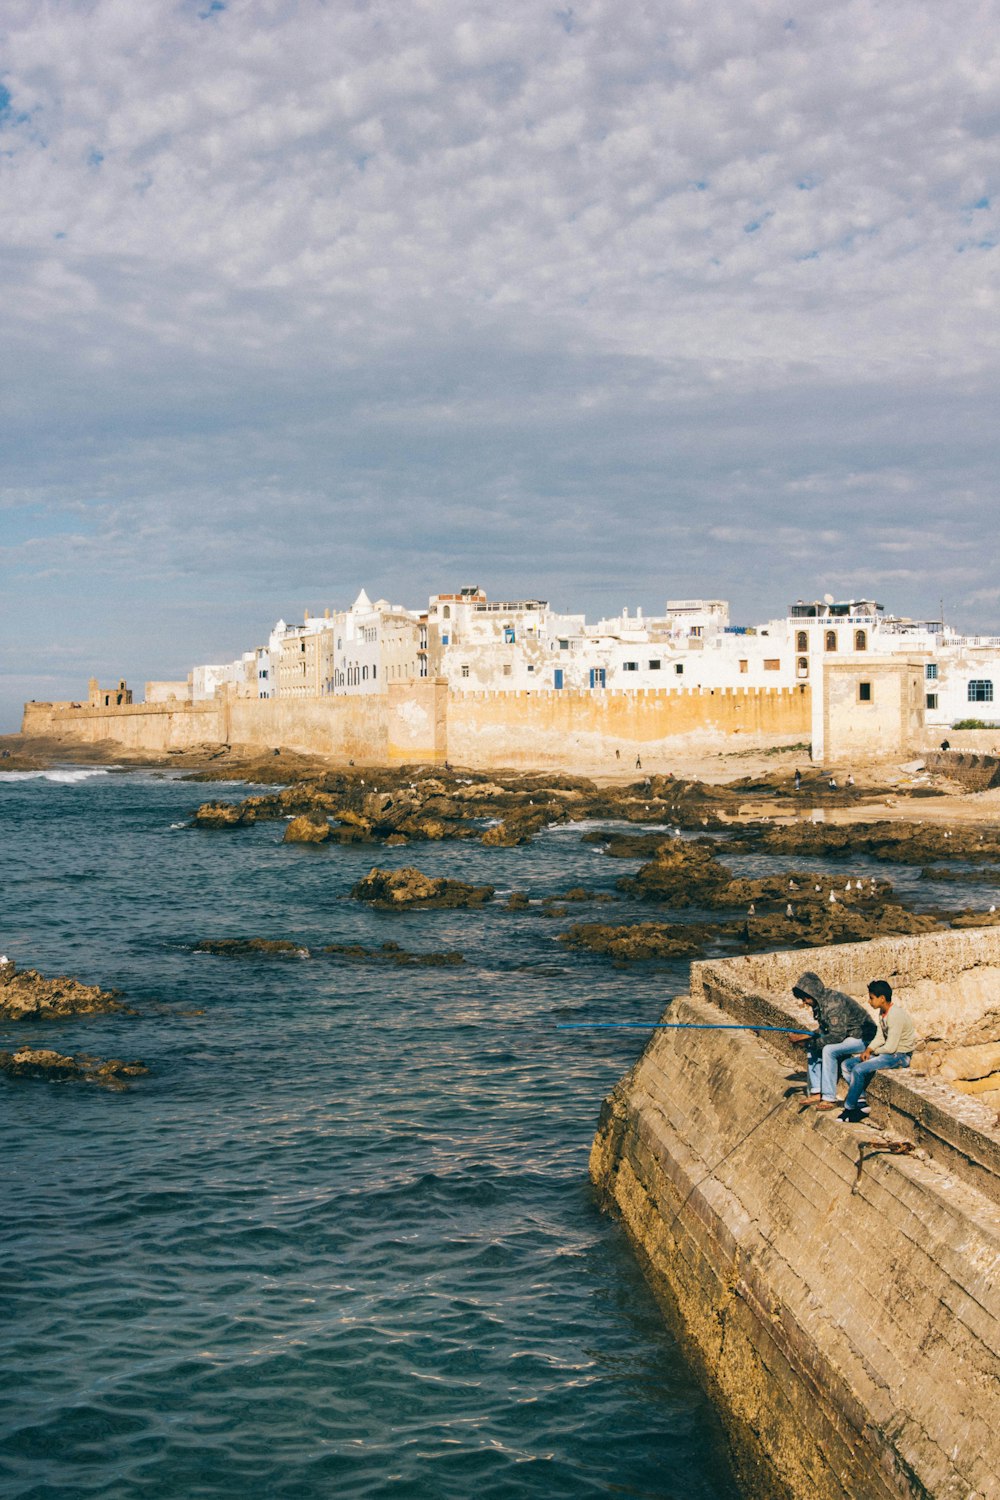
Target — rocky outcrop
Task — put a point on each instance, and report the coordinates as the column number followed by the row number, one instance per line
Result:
column 640, row 940
column 900, row 843
column 43, row 1063
column 392, row 890
column 307, row 829
column 27, row 995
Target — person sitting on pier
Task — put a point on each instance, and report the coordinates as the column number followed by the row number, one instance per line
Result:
column 892, row 1047
column 838, row 1017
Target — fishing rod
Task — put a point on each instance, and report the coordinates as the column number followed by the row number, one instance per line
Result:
column 674, row 1026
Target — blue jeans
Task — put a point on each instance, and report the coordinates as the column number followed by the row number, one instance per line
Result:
column 834, row 1053
column 860, row 1072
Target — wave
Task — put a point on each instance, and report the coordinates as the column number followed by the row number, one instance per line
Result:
column 63, row 775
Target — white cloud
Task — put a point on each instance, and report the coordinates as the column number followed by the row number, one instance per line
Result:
column 716, row 281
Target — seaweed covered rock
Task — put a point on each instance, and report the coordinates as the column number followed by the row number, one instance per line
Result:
column 252, row 947
column 902, row 843
column 683, row 874
column 27, row 995
column 393, row 954
column 640, row 940
column 219, row 815
column 817, row 925
column 393, row 889
column 44, row 1063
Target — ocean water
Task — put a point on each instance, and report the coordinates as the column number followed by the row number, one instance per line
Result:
column 341, row 1241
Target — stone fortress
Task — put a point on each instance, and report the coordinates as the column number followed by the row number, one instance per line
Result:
column 488, row 683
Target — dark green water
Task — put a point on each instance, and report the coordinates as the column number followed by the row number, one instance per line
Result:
column 341, row 1241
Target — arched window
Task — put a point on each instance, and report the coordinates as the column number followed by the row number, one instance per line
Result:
column 446, row 612
column 831, row 640
column 803, row 666
column 860, row 641
column 364, row 673
column 802, row 641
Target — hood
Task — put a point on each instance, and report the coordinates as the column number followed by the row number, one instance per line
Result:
column 810, row 984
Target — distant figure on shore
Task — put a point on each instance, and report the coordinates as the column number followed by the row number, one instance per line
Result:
column 618, row 755
column 638, row 763
column 833, row 783
column 798, row 780
column 945, row 745
column 850, row 781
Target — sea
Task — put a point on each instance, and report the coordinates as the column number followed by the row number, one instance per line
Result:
column 340, row 1241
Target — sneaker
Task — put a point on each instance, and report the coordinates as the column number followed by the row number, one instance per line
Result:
column 852, row 1116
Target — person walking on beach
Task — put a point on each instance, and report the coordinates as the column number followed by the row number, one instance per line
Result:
column 892, row 1048
column 838, row 1018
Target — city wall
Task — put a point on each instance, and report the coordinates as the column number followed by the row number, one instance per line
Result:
column 423, row 722
column 840, row 1301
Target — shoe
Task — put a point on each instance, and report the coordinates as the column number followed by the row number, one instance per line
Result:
column 852, row 1116
column 828, row 1104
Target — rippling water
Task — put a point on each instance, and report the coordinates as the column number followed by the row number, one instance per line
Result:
column 341, row 1241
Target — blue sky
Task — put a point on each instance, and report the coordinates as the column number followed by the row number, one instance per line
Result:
column 604, row 303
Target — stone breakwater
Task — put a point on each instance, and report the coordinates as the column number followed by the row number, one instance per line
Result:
column 839, row 1299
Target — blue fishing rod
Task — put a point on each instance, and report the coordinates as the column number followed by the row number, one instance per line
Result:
column 674, row 1026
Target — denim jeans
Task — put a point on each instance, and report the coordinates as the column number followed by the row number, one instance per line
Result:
column 860, row 1072
column 834, row 1054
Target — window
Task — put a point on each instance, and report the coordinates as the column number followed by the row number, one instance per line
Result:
column 531, row 669
column 509, row 635
column 865, row 692
column 444, row 640
column 831, row 640
column 803, row 666
column 772, row 664
column 931, row 671
column 654, row 666
column 507, row 669
column 860, row 641
column 932, row 700
column 980, row 690
column 446, row 612
column 679, row 669
column 802, row 640
column 564, row 645
column 630, row 666
column 465, row 670
column 744, row 664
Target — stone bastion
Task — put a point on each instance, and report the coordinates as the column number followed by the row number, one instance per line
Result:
column 835, row 1284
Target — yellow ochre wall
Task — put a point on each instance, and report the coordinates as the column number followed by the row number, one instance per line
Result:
column 423, row 722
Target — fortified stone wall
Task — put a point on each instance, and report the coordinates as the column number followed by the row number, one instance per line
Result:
column 138, row 728
column 423, row 722
column 976, row 773
column 840, row 1300
column 566, row 728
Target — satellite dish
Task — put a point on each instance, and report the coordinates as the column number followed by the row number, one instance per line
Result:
column 827, row 598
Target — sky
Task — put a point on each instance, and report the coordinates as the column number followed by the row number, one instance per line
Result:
column 602, row 304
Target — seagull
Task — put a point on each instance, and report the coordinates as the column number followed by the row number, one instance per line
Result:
column 4, row 960
column 833, row 899
column 792, row 886
column 818, row 888
column 789, row 910
column 992, row 909
column 751, row 910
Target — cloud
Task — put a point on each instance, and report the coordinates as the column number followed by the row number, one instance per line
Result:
column 648, row 300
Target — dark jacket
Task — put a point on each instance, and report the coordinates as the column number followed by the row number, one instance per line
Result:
column 837, row 1015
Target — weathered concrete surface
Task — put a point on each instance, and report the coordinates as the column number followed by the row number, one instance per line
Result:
column 847, row 1322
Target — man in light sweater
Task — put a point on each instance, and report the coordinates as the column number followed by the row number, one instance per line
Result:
column 891, row 1048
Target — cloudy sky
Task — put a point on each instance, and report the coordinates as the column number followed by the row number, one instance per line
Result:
column 603, row 303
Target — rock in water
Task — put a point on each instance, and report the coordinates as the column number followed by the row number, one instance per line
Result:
column 392, row 889
column 44, row 1063
column 27, row 995
column 307, row 829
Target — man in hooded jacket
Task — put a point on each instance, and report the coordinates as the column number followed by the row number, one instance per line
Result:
column 839, row 1020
